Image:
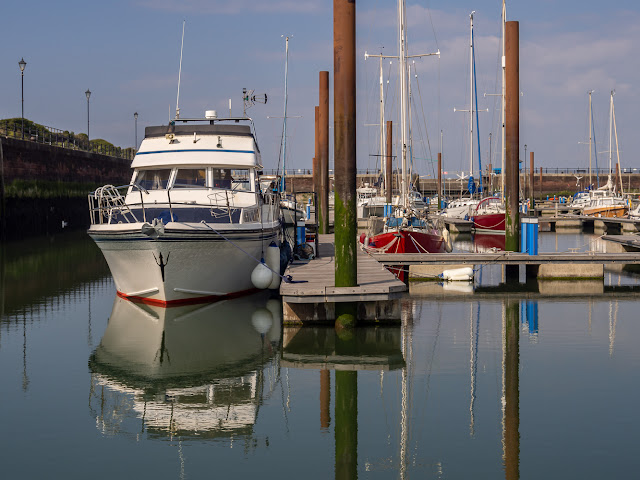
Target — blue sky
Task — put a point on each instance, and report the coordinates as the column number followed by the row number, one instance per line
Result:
column 127, row 54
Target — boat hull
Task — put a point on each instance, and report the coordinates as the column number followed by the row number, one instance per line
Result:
column 187, row 264
column 491, row 222
column 407, row 241
column 615, row 211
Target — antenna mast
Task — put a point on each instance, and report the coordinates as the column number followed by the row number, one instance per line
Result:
column 180, row 73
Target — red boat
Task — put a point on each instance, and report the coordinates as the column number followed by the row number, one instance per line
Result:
column 406, row 241
column 407, row 235
column 489, row 216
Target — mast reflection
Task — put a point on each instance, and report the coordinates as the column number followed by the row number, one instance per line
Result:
column 196, row 371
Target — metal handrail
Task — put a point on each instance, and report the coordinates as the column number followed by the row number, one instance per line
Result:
column 59, row 138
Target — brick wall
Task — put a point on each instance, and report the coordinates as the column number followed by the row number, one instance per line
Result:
column 26, row 160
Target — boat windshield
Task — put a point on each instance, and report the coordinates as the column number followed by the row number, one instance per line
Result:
column 190, row 178
column 153, row 179
column 232, row 178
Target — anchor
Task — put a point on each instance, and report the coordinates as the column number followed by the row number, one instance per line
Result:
column 161, row 264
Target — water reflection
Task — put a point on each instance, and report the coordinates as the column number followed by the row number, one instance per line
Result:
column 511, row 391
column 347, row 352
column 34, row 271
column 196, row 371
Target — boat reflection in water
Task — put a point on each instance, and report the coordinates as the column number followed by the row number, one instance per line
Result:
column 196, row 371
column 479, row 243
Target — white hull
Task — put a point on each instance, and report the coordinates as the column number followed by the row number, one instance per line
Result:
column 188, row 263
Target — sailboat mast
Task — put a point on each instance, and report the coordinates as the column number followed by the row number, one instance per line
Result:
column 504, row 100
column 590, row 137
column 471, row 95
column 284, row 121
column 402, row 41
column 383, row 159
column 610, row 130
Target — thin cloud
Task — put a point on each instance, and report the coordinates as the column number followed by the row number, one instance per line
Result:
column 235, row 7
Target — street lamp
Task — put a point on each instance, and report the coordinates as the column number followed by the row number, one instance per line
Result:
column 135, row 116
column 22, row 64
column 88, row 94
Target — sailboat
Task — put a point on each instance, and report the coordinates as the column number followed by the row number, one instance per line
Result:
column 464, row 206
column 289, row 207
column 605, row 201
column 404, row 230
column 489, row 214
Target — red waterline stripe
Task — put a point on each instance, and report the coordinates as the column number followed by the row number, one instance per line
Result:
column 185, row 301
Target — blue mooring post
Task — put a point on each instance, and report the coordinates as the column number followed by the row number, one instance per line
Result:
column 301, row 236
column 529, row 235
column 532, row 234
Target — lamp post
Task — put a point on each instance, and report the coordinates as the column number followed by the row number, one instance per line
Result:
column 88, row 94
column 22, row 64
column 135, row 116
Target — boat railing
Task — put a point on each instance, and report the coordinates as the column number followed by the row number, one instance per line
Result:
column 106, row 203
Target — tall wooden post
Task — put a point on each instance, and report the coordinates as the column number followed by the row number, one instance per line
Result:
column 532, row 189
column 540, row 182
column 316, row 163
column 344, row 111
column 323, row 151
column 512, row 132
column 388, row 178
column 439, row 180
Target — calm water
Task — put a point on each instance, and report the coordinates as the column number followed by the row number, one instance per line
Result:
column 485, row 386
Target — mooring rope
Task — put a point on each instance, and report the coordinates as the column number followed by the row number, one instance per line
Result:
column 285, row 278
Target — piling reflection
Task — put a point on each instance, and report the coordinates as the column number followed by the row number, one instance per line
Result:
column 345, row 352
column 511, row 390
column 197, row 371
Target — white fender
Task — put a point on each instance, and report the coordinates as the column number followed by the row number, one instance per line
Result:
column 448, row 245
column 261, row 277
column 272, row 259
column 458, row 274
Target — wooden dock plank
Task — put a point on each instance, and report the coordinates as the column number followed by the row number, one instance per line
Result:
column 375, row 282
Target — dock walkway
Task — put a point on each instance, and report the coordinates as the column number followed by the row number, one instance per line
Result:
column 374, row 281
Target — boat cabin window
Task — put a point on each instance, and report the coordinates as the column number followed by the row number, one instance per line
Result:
column 156, row 179
column 238, row 179
column 190, row 178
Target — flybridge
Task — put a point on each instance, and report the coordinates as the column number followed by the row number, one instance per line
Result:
column 210, row 129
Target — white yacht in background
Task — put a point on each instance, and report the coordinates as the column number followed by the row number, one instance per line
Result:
column 463, row 207
column 193, row 224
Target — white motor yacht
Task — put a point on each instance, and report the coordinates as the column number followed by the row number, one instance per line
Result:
column 193, row 224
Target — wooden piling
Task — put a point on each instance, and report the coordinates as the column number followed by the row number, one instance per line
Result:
column 512, row 132
column 316, row 162
column 344, row 111
column 323, row 151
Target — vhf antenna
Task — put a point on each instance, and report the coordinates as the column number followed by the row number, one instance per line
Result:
column 180, row 73
column 249, row 99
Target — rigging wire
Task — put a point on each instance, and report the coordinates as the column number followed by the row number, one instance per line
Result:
column 424, row 118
